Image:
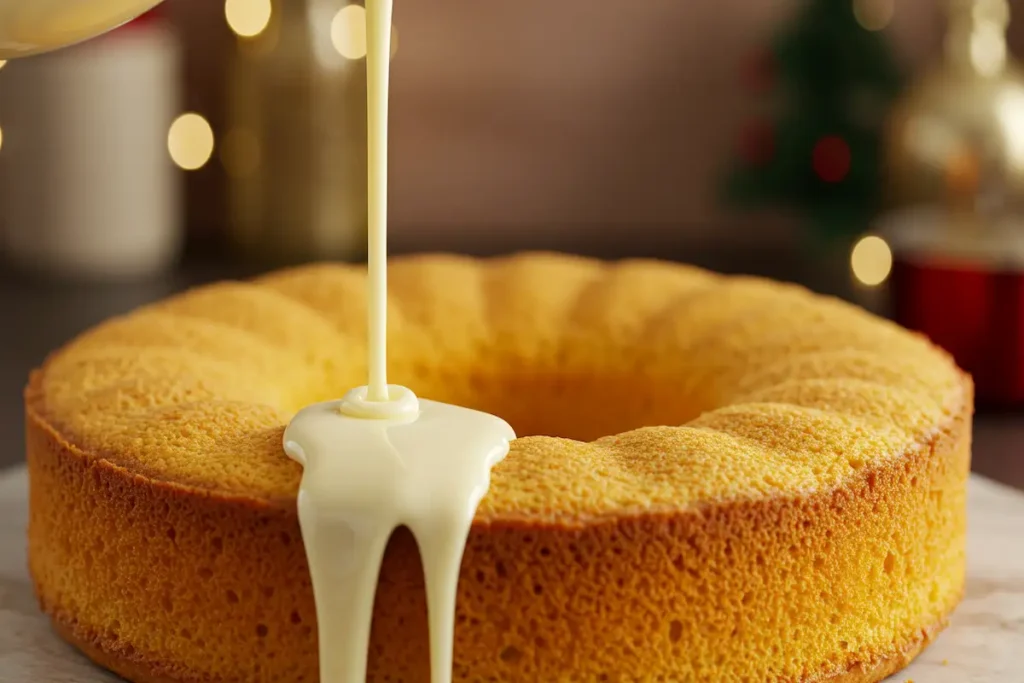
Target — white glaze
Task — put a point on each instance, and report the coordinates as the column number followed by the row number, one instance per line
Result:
column 381, row 458
column 422, row 464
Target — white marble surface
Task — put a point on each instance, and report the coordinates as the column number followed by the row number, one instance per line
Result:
column 984, row 644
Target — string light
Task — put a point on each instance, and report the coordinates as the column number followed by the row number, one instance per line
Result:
column 190, row 141
column 247, row 18
column 988, row 50
column 831, row 158
column 871, row 260
column 873, row 15
column 348, row 32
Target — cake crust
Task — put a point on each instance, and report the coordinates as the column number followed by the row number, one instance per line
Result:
column 60, row 471
column 839, row 561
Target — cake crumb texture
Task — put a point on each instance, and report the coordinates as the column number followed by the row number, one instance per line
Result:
column 718, row 479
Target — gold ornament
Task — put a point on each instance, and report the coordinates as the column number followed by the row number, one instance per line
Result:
column 956, row 138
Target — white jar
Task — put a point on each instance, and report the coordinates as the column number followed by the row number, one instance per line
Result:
column 88, row 188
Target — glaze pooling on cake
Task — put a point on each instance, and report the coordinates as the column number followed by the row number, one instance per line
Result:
column 370, row 467
column 807, row 521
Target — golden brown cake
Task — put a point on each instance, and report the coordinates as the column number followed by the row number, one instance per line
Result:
column 805, row 523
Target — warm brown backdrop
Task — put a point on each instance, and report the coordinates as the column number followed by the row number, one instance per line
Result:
column 577, row 113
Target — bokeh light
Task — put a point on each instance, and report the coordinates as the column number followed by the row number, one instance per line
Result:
column 247, row 18
column 831, row 158
column 874, row 15
column 190, row 141
column 871, row 260
column 348, row 32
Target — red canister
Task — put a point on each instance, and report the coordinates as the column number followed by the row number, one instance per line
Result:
column 962, row 285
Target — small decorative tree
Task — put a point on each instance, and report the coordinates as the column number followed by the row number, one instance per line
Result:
column 825, row 86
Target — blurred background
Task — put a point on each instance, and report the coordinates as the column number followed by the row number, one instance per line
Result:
column 868, row 149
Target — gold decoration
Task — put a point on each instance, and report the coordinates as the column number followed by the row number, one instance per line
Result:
column 956, row 138
column 295, row 140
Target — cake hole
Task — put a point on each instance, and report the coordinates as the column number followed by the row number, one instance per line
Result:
column 511, row 654
column 843, row 645
column 889, row 564
column 675, row 630
column 296, row 618
column 480, row 576
column 268, row 592
column 186, row 634
column 819, row 562
column 218, row 544
column 286, row 538
column 128, row 651
column 546, row 552
column 537, row 589
column 540, row 642
column 205, row 573
column 748, row 597
column 172, row 534
column 200, row 643
column 500, row 569
column 261, row 630
column 166, row 603
column 232, row 596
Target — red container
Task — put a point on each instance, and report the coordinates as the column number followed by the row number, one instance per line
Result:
column 974, row 311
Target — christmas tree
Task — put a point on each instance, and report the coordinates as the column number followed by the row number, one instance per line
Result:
column 825, row 86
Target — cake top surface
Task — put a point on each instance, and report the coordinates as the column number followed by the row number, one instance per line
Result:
column 646, row 385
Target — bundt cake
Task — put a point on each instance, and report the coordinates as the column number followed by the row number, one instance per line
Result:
column 806, row 522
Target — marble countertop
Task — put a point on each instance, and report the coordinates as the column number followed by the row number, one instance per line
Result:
column 982, row 645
